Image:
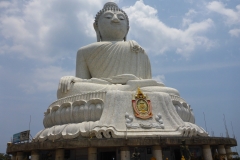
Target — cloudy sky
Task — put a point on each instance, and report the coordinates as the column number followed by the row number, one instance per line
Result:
column 194, row 46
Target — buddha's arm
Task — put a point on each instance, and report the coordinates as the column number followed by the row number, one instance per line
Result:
column 81, row 66
column 81, row 73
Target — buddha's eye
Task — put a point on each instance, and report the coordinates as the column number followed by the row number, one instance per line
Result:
column 121, row 17
column 108, row 16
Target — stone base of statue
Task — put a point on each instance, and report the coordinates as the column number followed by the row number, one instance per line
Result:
column 112, row 114
column 92, row 148
column 141, row 119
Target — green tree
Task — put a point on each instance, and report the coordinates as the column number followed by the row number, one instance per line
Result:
column 5, row 156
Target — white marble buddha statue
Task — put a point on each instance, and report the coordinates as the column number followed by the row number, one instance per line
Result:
column 111, row 60
column 98, row 100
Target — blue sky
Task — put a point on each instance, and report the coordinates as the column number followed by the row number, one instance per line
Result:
column 194, row 46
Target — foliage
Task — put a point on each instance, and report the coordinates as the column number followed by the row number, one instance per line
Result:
column 5, row 156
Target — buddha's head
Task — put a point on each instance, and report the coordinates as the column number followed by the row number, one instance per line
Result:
column 111, row 23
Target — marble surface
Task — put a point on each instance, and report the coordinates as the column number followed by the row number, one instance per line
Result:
column 97, row 101
column 113, row 122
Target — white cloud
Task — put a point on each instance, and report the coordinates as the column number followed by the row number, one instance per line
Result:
column 200, row 67
column 186, row 22
column 234, row 32
column 4, row 4
column 44, row 79
column 191, row 12
column 159, row 78
column 231, row 16
column 47, row 29
column 158, row 38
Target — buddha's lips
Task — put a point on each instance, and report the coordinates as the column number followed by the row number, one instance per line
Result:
column 115, row 23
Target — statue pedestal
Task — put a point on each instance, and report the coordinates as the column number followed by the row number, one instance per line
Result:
column 111, row 114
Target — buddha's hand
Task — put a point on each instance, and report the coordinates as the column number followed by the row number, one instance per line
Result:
column 123, row 78
column 66, row 82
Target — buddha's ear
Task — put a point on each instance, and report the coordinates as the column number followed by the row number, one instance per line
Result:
column 125, row 38
column 97, row 32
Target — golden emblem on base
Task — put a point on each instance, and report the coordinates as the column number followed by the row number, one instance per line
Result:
column 141, row 105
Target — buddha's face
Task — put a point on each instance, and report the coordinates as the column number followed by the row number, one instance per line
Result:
column 112, row 26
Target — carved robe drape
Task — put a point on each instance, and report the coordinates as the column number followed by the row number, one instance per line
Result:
column 106, row 59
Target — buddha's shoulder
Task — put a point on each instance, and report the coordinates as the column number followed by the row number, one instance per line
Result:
column 91, row 46
column 87, row 48
column 103, row 44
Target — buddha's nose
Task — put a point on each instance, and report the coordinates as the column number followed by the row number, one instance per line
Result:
column 115, row 19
